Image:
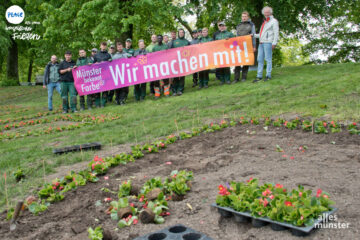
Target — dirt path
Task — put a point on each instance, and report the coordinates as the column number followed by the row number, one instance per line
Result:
column 231, row 154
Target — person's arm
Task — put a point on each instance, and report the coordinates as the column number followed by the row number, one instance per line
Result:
column 276, row 33
column 253, row 37
column 45, row 80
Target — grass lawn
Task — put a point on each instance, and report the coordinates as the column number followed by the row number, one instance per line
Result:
column 329, row 92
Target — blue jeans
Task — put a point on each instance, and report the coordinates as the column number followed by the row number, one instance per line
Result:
column 50, row 88
column 264, row 51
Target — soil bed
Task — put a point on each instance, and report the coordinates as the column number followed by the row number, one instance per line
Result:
column 230, row 154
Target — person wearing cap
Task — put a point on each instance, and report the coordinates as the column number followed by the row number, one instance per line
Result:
column 149, row 49
column 112, row 50
column 204, row 75
column 140, row 89
column 67, row 83
column 160, row 47
column 121, row 93
column 51, row 79
column 195, row 40
column 128, row 48
column 199, row 33
column 268, row 38
column 178, row 85
column 224, row 73
column 81, row 61
column 246, row 27
column 102, row 56
column 93, row 52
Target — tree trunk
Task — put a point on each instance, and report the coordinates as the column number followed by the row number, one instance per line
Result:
column 30, row 69
column 12, row 63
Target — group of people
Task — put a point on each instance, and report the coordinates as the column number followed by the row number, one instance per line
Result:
column 59, row 76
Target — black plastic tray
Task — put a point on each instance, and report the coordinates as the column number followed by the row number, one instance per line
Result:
column 263, row 221
column 175, row 232
column 76, row 148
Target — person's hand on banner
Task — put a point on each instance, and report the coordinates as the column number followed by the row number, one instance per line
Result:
column 75, row 67
column 110, row 60
column 254, row 49
column 273, row 47
column 44, row 86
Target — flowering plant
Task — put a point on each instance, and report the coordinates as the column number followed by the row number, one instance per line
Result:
column 98, row 165
column 297, row 206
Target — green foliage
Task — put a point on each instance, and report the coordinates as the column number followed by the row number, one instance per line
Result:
column 96, row 234
column 35, row 207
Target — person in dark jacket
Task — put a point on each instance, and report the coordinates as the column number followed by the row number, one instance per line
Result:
column 81, row 61
column 51, row 79
column 179, row 82
column 121, row 93
column 224, row 73
column 93, row 53
column 140, row 89
column 99, row 57
column 67, row 83
column 246, row 27
column 160, row 47
column 128, row 47
column 194, row 41
column 204, row 75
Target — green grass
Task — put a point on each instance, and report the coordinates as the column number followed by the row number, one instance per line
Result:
column 294, row 91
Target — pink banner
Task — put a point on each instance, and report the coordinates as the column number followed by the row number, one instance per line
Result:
column 176, row 62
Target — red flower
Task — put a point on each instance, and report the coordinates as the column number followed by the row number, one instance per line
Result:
column 324, row 124
column 54, row 187
column 61, row 187
column 292, row 158
column 149, row 149
column 354, row 123
column 135, row 221
column 332, row 122
column 300, row 194
column 318, row 193
column 271, row 197
column 107, row 199
column 250, row 179
column 325, row 196
column 279, row 185
column 223, row 190
column 287, row 203
column 266, row 192
column 131, row 205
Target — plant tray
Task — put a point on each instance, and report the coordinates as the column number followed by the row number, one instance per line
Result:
column 263, row 221
column 175, row 232
column 76, row 148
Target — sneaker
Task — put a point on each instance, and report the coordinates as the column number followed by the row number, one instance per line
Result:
column 82, row 109
column 89, row 108
column 222, row 83
column 206, row 86
column 200, row 87
column 117, row 102
column 50, row 110
column 267, row 79
column 194, row 84
column 228, row 82
column 74, row 111
column 243, row 80
column 179, row 93
column 236, row 81
column 174, row 94
column 257, row 80
column 65, row 111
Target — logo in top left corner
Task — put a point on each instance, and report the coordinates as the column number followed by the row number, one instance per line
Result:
column 15, row 14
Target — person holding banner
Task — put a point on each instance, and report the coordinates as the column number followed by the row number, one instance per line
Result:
column 194, row 41
column 121, row 93
column 128, row 48
column 269, row 35
column 160, row 47
column 81, row 61
column 102, row 56
column 224, row 73
column 149, row 50
column 246, row 27
column 67, row 83
column 140, row 89
column 179, row 82
column 204, row 75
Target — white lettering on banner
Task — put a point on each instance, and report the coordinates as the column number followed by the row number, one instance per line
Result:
column 150, row 68
column 167, row 71
column 221, row 54
column 205, row 56
column 118, row 74
column 180, row 63
column 82, row 73
column 238, row 51
column 134, row 73
column 128, row 72
column 193, row 63
column 172, row 67
column 246, row 52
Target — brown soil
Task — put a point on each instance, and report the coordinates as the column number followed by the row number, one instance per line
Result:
column 231, row 154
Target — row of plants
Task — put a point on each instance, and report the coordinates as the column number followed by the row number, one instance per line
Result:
column 82, row 121
column 297, row 206
column 34, row 116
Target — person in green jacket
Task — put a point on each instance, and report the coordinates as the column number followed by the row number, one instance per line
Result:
column 128, row 48
column 160, row 47
column 224, row 73
column 179, row 82
column 81, row 61
column 204, row 75
column 140, row 89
